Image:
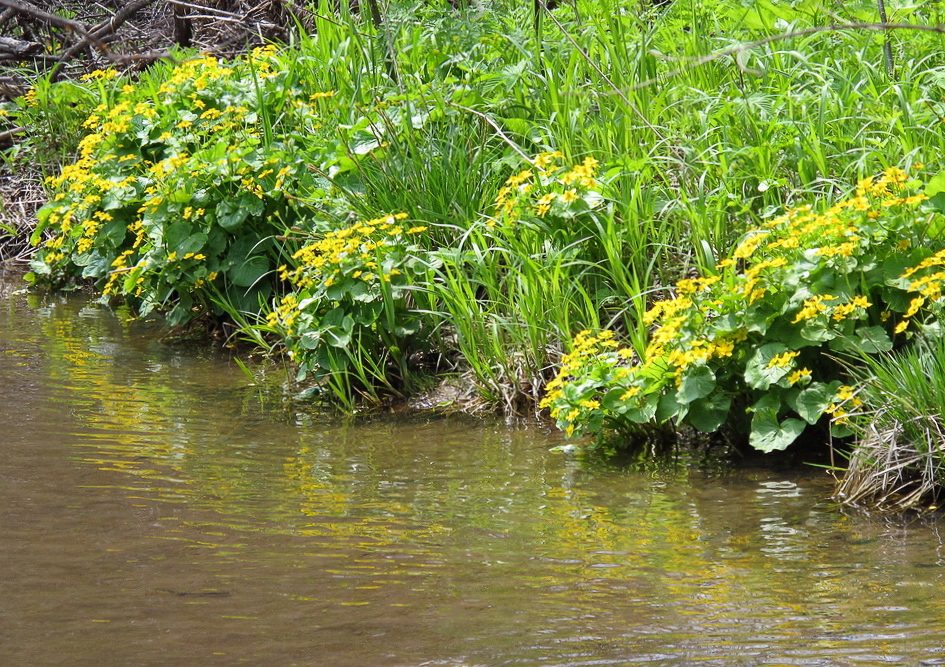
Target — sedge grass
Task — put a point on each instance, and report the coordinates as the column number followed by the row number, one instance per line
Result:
column 898, row 459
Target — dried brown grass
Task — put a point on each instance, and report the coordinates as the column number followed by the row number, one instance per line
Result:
column 21, row 195
column 893, row 469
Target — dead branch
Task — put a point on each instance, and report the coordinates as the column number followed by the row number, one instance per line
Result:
column 17, row 47
column 29, row 9
column 9, row 138
column 95, row 36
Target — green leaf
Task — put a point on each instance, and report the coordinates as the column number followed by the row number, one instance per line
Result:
column 230, row 214
column 866, row 339
column 338, row 326
column 193, row 243
column 840, row 430
column 697, row 382
column 812, row 402
column 709, row 413
column 667, row 407
column 757, row 373
column 645, row 412
column 814, row 332
column 935, row 185
column 249, row 271
column 768, row 434
column 612, row 402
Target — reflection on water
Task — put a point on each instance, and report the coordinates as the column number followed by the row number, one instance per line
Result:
column 157, row 509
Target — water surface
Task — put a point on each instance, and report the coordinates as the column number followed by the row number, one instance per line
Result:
column 157, row 508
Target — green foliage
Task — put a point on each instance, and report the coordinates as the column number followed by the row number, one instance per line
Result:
column 181, row 188
column 350, row 318
column 197, row 180
column 54, row 114
column 517, row 284
column 762, row 334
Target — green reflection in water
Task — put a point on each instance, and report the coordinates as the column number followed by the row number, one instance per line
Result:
column 481, row 543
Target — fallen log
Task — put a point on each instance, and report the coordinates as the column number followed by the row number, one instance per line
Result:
column 17, row 47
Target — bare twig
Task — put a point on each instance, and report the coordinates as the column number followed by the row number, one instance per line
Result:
column 23, row 7
column 18, row 47
column 8, row 138
column 106, row 27
column 214, row 10
column 887, row 47
column 6, row 15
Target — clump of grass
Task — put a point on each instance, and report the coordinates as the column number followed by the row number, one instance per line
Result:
column 898, row 460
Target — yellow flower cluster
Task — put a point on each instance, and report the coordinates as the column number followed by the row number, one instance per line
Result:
column 844, row 397
column 929, row 287
column 587, row 348
column 348, row 252
column 558, row 184
column 708, row 318
column 198, row 72
column 783, row 360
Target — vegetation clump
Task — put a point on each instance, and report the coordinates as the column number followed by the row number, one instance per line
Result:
column 762, row 336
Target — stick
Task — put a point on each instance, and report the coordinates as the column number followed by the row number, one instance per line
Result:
column 106, row 27
column 18, row 47
column 887, row 47
column 30, row 9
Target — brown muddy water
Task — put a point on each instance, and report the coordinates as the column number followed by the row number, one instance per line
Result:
column 158, row 509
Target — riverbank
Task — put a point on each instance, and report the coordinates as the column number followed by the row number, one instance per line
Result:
column 562, row 216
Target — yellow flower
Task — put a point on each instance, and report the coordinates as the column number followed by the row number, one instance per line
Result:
column 748, row 246
column 798, row 375
column 568, row 196
column 630, row 393
column 781, row 360
column 914, row 306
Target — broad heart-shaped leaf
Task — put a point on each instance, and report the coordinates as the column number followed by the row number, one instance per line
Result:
column 709, row 413
column 337, row 325
column 668, row 407
column 935, row 185
column 231, row 214
column 768, row 434
column 813, row 400
column 865, row 339
column 757, row 373
column 95, row 264
column 817, row 333
column 697, row 381
column 637, row 409
column 896, row 265
column 181, row 238
column 249, row 271
column 114, row 230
